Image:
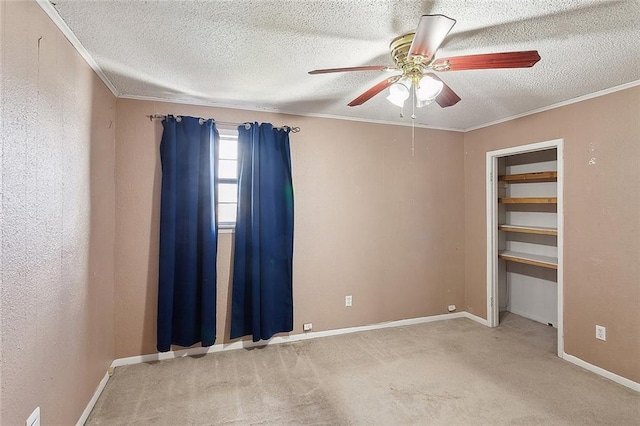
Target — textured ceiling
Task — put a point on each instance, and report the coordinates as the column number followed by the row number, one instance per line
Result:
column 256, row 54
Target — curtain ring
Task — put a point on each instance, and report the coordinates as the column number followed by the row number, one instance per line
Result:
column 201, row 121
column 178, row 118
column 247, row 126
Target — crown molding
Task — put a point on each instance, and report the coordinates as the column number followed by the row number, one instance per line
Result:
column 277, row 111
column 559, row 104
column 51, row 11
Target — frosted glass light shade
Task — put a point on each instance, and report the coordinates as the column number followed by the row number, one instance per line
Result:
column 399, row 92
column 428, row 91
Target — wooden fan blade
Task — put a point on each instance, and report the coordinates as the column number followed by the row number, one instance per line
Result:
column 364, row 68
column 447, row 97
column 431, row 31
column 488, row 61
column 374, row 91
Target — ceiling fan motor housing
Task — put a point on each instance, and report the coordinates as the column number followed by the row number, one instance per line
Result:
column 411, row 68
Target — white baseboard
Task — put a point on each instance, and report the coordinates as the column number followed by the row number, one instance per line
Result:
column 85, row 414
column 285, row 339
column 602, row 372
column 533, row 318
column 314, row 335
column 475, row 318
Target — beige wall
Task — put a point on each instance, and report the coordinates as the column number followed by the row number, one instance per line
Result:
column 370, row 220
column 601, row 221
column 57, row 219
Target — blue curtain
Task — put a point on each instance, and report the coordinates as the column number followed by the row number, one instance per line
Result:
column 262, row 300
column 188, row 233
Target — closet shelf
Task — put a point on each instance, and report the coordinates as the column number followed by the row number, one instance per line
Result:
column 528, row 229
column 529, row 259
column 530, row 177
column 529, row 200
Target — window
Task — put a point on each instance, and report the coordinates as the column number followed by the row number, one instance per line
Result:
column 227, row 178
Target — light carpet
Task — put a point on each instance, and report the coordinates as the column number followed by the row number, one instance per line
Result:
column 453, row 372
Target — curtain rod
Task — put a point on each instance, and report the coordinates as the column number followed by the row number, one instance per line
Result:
column 223, row 123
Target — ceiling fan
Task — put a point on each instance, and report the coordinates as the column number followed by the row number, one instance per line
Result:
column 414, row 58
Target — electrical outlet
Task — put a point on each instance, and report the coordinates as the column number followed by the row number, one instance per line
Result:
column 348, row 301
column 34, row 418
column 307, row 326
column 452, row 308
column 601, row 333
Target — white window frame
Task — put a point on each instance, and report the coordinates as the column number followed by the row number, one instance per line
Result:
column 227, row 227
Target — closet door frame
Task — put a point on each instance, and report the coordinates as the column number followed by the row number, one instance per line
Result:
column 492, row 229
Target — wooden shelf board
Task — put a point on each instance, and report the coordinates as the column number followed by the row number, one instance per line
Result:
column 530, row 177
column 528, row 229
column 529, row 259
column 529, row 200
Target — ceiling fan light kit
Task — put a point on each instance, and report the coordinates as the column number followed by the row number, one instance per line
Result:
column 427, row 90
column 414, row 57
column 399, row 92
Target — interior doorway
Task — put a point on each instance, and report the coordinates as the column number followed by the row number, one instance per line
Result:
column 524, row 189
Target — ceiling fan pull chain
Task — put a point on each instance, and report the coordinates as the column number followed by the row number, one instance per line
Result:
column 413, row 137
column 413, row 123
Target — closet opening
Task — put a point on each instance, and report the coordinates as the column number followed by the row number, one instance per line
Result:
column 524, row 234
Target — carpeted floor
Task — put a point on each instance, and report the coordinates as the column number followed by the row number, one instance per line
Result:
column 453, row 372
